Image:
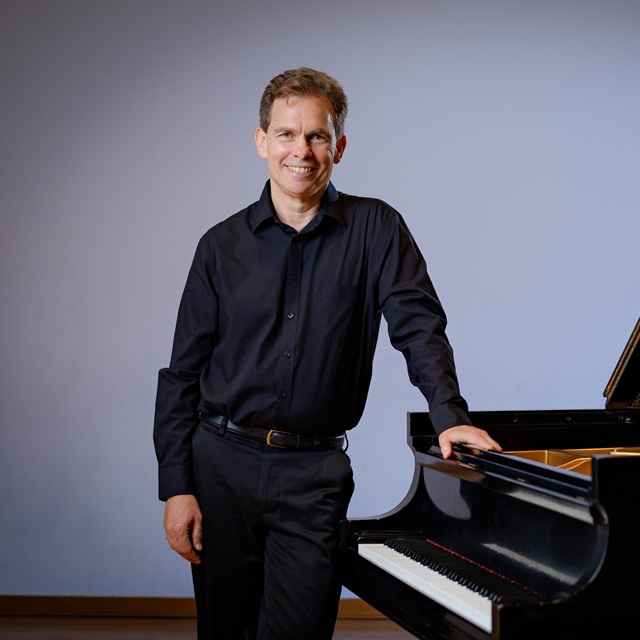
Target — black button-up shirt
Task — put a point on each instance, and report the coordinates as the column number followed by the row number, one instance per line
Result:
column 277, row 329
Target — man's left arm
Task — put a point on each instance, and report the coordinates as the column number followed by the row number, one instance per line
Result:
column 417, row 328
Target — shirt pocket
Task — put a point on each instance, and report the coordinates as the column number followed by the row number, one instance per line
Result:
column 339, row 313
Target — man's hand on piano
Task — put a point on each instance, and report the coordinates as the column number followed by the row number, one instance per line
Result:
column 468, row 436
column 183, row 526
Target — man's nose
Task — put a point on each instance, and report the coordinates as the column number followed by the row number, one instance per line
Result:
column 302, row 149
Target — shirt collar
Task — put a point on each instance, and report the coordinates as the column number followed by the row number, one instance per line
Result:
column 263, row 212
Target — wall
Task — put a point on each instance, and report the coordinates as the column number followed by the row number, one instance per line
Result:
column 506, row 132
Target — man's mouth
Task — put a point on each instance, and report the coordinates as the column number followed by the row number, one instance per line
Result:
column 300, row 169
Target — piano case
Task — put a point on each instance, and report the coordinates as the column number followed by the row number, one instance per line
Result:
column 543, row 535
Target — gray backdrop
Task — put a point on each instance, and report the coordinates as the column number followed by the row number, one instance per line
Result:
column 505, row 131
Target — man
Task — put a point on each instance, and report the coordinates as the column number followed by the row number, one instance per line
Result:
column 271, row 364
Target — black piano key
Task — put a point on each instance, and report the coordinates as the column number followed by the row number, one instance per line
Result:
column 475, row 577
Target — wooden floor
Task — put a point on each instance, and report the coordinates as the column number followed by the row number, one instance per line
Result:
column 44, row 628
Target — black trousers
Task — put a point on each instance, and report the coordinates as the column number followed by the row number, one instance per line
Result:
column 270, row 568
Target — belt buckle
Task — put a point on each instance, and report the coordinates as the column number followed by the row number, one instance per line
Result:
column 278, row 446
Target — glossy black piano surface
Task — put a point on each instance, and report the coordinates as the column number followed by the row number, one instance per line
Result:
column 567, row 537
column 544, row 535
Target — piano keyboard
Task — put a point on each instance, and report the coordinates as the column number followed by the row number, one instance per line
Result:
column 450, row 594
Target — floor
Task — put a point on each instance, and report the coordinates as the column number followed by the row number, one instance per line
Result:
column 44, row 628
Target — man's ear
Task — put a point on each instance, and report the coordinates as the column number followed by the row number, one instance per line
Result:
column 341, row 145
column 261, row 142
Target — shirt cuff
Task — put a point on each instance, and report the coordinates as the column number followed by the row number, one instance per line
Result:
column 448, row 415
column 175, row 481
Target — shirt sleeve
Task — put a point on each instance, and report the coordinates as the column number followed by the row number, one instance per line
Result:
column 417, row 323
column 176, row 415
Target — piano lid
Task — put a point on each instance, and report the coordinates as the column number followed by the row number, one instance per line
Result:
column 623, row 389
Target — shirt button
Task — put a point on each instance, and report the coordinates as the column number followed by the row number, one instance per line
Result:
column 289, row 315
column 287, row 353
column 283, row 394
column 294, row 277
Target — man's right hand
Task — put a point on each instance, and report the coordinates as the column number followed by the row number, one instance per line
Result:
column 183, row 526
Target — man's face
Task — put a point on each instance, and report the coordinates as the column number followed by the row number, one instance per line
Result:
column 300, row 147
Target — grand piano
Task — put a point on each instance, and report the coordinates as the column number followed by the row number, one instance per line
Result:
column 539, row 542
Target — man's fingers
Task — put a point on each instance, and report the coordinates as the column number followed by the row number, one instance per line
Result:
column 494, row 445
column 446, row 448
column 469, row 436
column 181, row 544
column 191, row 556
column 196, row 534
column 484, row 441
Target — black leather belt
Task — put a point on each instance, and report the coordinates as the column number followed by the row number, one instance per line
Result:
column 277, row 438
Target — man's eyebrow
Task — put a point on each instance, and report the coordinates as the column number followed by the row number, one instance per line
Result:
column 321, row 130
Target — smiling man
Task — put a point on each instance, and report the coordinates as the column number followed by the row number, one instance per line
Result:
column 271, row 365
column 301, row 146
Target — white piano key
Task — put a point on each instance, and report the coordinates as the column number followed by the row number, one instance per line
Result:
column 450, row 594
